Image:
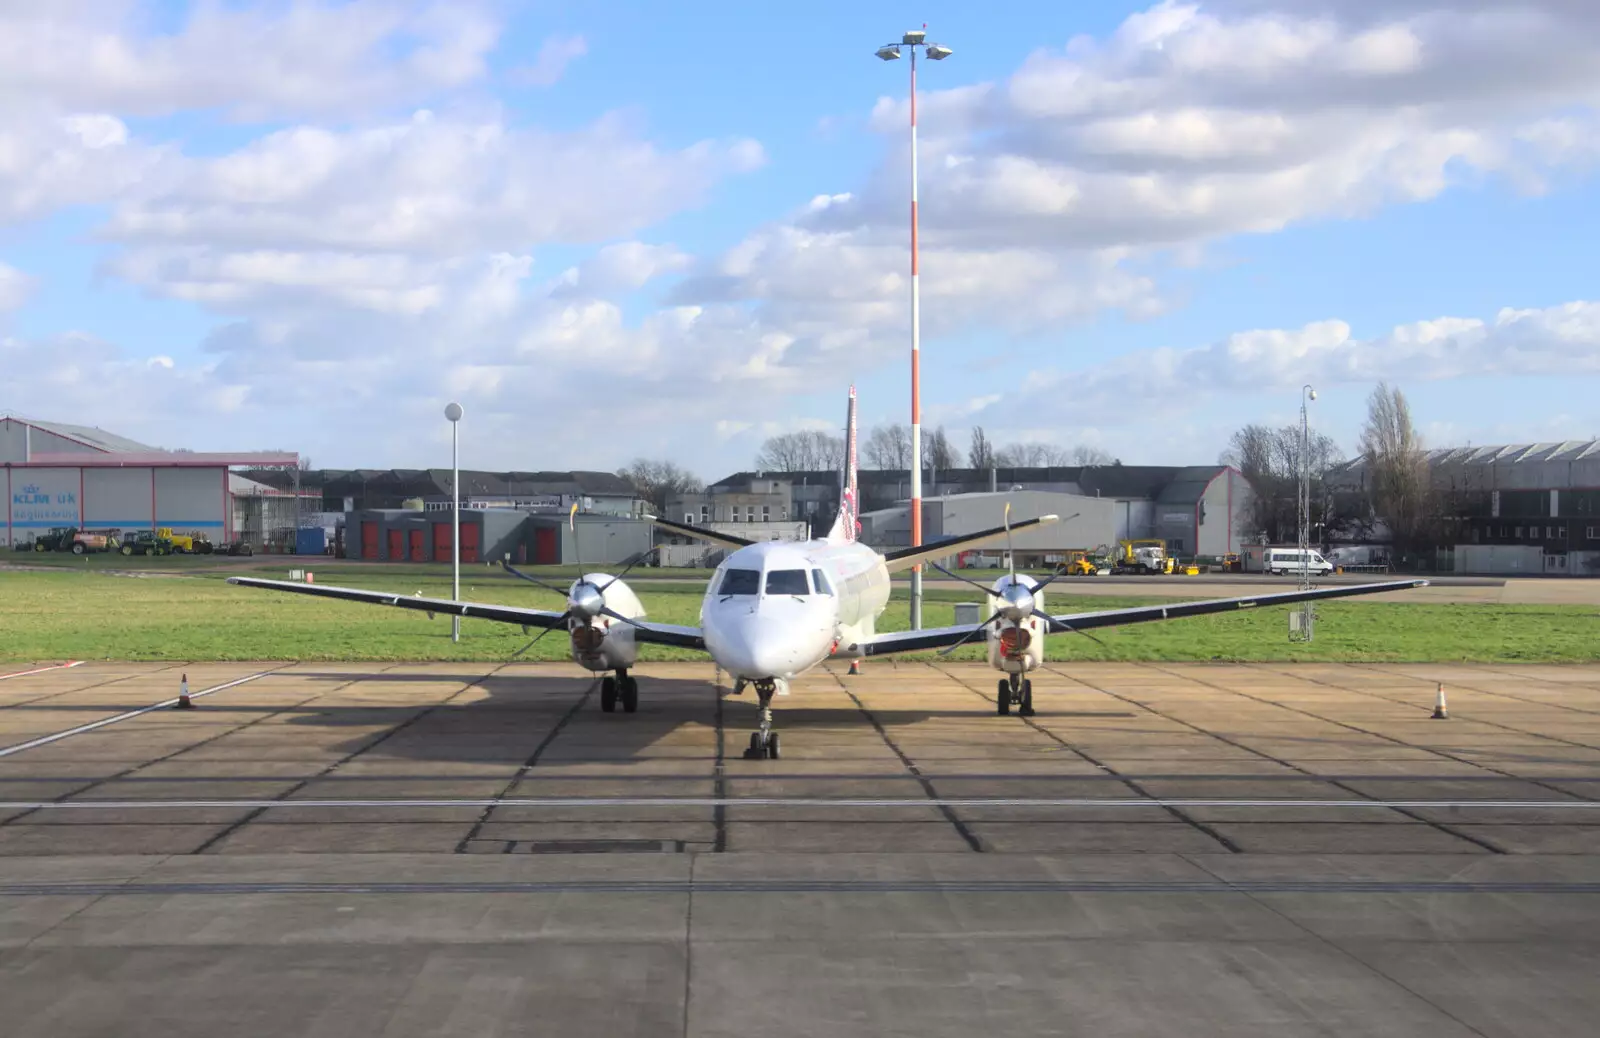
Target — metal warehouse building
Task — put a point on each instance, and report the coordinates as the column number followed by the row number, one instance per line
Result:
column 1512, row 508
column 492, row 534
column 72, row 475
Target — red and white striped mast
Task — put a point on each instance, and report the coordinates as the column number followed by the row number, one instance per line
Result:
column 935, row 52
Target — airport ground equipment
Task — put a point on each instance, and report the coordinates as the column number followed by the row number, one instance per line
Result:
column 145, row 542
column 1077, row 564
column 182, row 543
column 79, row 542
column 1147, row 555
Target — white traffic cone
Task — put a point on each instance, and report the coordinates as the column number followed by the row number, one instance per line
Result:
column 1439, row 711
column 184, row 702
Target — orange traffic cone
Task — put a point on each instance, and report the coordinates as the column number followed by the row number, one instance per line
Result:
column 184, row 702
column 1439, row 711
column 855, row 666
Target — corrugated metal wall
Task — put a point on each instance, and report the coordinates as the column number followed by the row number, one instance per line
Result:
column 38, row 499
column 190, row 499
column 117, row 498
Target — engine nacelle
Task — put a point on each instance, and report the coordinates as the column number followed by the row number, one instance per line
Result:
column 603, row 643
column 1016, row 646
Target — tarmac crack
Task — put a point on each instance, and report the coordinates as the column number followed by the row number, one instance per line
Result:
column 932, row 794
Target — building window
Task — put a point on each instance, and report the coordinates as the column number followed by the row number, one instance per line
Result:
column 1561, row 533
column 1519, row 533
column 705, row 512
column 766, row 513
column 688, row 517
column 750, row 513
column 1590, row 533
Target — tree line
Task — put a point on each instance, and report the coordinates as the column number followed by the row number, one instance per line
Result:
column 888, row 448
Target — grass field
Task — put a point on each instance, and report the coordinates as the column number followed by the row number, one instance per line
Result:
column 92, row 615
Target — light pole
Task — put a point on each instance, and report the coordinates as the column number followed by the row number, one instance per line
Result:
column 452, row 411
column 935, row 52
column 1308, row 614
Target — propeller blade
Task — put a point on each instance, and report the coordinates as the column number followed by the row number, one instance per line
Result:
column 967, row 580
column 536, row 638
column 532, row 580
column 969, row 635
column 1011, row 555
column 572, row 524
column 608, row 611
column 642, row 556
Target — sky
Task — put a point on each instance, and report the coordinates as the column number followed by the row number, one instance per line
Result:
column 621, row 230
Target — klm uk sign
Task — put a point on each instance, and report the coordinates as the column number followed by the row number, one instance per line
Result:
column 34, row 505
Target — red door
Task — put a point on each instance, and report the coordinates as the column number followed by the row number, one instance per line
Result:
column 469, row 542
column 397, row 544
column 418, row 549
column 369, row 540
column 441, row 542
column 545, row 550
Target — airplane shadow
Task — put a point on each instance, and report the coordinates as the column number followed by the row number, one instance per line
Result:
column 510, row 719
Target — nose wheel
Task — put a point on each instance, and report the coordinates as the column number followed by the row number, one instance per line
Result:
column 622, row 689
column 764, row 742
column 1014, row 691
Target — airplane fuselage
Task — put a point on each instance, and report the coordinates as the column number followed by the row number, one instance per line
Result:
column 776, row 609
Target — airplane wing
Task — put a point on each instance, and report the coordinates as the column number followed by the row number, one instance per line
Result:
column 727, row 540
column 906, row 558
column 644, row 630
column 939, row 637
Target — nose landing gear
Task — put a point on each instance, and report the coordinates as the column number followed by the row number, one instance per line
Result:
column 623, row 687
column 764, row 743
column 1017, row 691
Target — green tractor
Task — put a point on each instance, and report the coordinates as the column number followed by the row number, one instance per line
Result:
column 145, row 542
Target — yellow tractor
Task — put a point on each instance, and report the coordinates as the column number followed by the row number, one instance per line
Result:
column 181, row 542
column 1077, row 564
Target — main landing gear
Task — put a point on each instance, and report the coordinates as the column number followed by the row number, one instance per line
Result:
column 623, row 687
column 1017, row 691
column 764, row 742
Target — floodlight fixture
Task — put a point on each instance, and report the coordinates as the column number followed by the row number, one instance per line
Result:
column 889, row 52
column 938, row 52
column 914, row 37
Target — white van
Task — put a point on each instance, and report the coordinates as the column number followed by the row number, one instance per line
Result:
column 1288, row 561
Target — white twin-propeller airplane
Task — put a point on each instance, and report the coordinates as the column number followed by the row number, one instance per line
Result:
column 775, row 609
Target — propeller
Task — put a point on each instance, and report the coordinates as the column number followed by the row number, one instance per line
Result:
column 585, row 600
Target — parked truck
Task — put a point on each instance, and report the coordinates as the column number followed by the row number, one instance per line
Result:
column 1142, row 556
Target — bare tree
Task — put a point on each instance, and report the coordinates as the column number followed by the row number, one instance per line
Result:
column 1031, row 455
column 1086, row 455
column 305, row 463
column 806, row 451
column 938, row 453
column 1270, row 460
column 888, row 447
column 980, row 455
column 1398, row 479
column 657, row 481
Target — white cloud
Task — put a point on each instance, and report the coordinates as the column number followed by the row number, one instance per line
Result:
column 48, row 162
column 550, row 64
column 15, row 288
column 313, row 56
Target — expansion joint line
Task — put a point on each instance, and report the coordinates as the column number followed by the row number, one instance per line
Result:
column 527, row 765
column 1440, row 826
column 932, row 794
column 1133, row 785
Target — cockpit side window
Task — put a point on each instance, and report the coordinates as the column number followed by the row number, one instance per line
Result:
column 821, row 582
column 787, row 582
column 740, row 582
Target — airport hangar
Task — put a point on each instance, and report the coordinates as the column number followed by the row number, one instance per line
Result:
column 72, row 475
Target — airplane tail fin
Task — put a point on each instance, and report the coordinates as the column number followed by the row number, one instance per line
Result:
column 848, row 522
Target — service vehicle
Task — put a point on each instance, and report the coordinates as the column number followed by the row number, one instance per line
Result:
column 1146, row 555
column 1281, row 561
column 145, row 542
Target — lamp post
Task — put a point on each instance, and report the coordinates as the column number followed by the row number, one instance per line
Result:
column 1308, row 614
column 935, row 52
column 452, row 411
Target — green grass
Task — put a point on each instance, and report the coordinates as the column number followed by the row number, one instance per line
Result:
column 92, row 615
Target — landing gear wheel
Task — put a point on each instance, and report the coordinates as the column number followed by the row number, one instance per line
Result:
column 755, row 751
column 608, row 694
column 1002, row 699
column 629, row 688
column 1027, row 699
column 772, row 746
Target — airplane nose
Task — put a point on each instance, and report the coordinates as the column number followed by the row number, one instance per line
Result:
column 756, row 646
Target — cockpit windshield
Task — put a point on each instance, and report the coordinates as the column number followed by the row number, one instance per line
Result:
column 740, row 582
column 787, row 582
